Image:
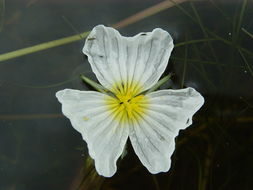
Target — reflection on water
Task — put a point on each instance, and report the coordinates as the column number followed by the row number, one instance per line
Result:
column 39, row 148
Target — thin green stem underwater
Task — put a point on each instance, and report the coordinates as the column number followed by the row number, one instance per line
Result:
column 195, row 41
column 93, row 84
column 41, row 86
column 241, row 14
column 203, row 62
column 159, row 83
column 100, row 88
column 185, row 65
column 42, row 46
column 204, row 31
column 221, row 11
column 246, row 62
column 146, row 13
column 130, row 20
column 156, row 183
column 215, row 36
column 246, row 32
column 238, row 47
column 229, row 19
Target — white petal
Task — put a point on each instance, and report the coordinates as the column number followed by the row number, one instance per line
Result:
column 105, row 135
column 125, row 60
column 153, row 136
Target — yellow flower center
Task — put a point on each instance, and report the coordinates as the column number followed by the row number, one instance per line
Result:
column 127, row 105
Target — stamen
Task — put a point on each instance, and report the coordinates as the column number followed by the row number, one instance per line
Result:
column 126, row 103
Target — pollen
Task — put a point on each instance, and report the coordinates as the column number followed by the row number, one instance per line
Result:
column 127, row 104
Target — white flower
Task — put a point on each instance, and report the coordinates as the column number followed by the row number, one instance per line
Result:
column 127, row 67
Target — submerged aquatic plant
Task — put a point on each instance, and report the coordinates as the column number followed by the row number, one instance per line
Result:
column 128, row 67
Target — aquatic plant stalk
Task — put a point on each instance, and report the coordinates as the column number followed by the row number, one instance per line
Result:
column 198, row 19
column 92, row 83
column 241, row 14
column 159, row 83
column 246, row 62
column 185, row 66
column 41, row 86
column 43, row 46
column 246, row 32
column 130, row 20
column 215, row 36
column 195, row 41
column 146, row 13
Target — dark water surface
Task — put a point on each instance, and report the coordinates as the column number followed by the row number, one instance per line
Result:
column 40, row 150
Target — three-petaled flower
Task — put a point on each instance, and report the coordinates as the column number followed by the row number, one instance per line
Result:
column 128, row 67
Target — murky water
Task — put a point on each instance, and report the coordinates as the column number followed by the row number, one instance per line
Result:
column 40, row 150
